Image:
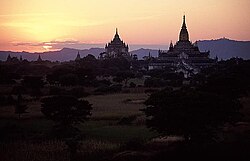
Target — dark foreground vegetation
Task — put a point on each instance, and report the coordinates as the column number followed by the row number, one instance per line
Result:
column 107, row 110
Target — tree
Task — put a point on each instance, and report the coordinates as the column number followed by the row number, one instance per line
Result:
column 195, row 115
column 132, row 85
column 66, row 111
column 35, row 83
column 20, row 107
column 69, row 79
column 123, row 76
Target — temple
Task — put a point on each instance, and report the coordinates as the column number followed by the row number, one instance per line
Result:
column 78, row 57
column 184, row 54
column 39, row 59
column 116, row 48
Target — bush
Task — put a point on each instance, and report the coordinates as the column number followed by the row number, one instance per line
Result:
column 53, row 90
column 132, row 85
column 190, row 113
column 78, row 92
column 109, row 89
column 151, row 91
column 4, row 100
column 66, row 111
column 69, row 79
column 134, row 144
column 127, row 120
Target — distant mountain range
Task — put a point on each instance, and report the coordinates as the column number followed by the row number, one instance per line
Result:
column 226, row 48
column 66, row 54
column 223, row 48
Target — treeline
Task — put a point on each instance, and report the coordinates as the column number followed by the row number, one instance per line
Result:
column 200, row 110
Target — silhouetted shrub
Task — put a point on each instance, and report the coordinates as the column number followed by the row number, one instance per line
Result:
column 35, row 83
column 78, row 92
column 53, row 90
column 109, row 89
column 196, row 115
column 100, row 83
column 132, row 85
column 134, row 143
column 115, row 88
column 127, row 120
column 151, row 90
column 20, row 107
column 18, row 89
column 155, row 82
column 3, row 100
column 66, row 111
column 69, row 79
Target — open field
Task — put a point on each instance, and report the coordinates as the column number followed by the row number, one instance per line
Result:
column 108, row 111
column 116, row 124
column 117, row 105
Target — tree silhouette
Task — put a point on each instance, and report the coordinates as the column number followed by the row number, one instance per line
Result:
column 20, row 107
column 35, row 83
column 196, row 115
column 66, row 111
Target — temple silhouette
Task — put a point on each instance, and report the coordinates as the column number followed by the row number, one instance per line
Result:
column 184, row 54
column 116, row 48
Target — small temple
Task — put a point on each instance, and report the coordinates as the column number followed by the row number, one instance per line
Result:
column 116, row 48
column 12, row 59
column 78, row 57
column 183, row 54
column 39, row 59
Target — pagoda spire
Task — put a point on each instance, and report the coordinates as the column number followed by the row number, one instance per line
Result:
column 78, row 57
column 184, row 22
column 116, row 34
column 8, row 58
column 39, row 59
column 184, row 36
column 116, row 31
column 171, row 44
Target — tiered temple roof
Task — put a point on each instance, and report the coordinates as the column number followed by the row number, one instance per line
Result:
column 116, row 48
column 184, row 51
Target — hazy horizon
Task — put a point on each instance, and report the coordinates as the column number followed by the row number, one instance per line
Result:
column 132, row 47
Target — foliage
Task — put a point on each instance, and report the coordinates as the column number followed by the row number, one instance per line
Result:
column 34, row 83
column 132, row 85
column 6, row 100
column 127, row 120
column 231, row 79
column 109, row 89
column 57, row 71
column 54, row 90
column 122, row 63
column 78, row 92
column 155, row 82
column 66, row 110
column 190, row 113
column 68, row 79
column 20, row 107
column 198, row 111
column 123, row 76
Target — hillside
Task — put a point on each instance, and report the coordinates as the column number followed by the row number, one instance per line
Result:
column 226, row 48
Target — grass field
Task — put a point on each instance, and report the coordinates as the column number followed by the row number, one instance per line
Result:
column 104, row 133
column 116, row 124
column 115, row 106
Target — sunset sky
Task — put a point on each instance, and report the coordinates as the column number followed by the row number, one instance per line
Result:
column 36, row 25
